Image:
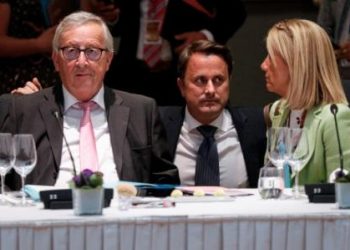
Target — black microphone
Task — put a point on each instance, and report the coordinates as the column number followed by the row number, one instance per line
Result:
column 334, row 110
column 57, row 115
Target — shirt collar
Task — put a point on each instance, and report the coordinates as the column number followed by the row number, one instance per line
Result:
column 70, row 100
column 223, row 122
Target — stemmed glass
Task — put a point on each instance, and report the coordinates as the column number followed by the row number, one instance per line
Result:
column 298, row 151
column 6, row 160
column 277, row 143
column 25, row 158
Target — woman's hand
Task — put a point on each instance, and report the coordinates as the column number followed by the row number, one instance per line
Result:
column 29, row 88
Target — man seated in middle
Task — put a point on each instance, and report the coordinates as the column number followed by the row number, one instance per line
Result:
column 233, row 152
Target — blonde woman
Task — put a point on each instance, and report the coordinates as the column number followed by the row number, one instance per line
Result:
column 301, row 68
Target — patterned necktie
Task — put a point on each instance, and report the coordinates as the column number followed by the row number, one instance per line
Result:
column 207, row 166
column 152, row 41
column 87, row 146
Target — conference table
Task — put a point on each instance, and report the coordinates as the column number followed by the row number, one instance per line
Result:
column 245, row 223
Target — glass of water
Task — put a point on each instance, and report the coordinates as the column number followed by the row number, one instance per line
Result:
column 271, row 182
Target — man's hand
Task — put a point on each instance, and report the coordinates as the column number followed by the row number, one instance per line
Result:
column 29, row 88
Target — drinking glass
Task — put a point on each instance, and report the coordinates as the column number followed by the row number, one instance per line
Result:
column 271, row 182
column 6, row 160
column 25, row 158
column 298, row 153
column 277, row 142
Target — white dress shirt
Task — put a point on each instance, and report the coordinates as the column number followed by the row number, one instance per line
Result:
column 233, row 171
column 71, row 124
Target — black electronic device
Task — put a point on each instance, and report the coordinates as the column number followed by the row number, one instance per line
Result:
column 62, row 198
column 321, row 193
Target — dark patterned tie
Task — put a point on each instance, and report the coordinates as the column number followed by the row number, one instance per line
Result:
column 207, row 166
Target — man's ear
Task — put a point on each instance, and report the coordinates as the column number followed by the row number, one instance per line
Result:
column 109, row 59
column 181, row 85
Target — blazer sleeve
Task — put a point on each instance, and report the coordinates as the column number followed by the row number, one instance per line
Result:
column 163, row 170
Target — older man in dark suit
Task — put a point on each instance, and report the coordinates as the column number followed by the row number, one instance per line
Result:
column 128, row 138
column 239, row 133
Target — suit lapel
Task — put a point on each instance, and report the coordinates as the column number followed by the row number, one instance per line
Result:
column 239, row 120
column 54, row 130
column 312, row 124
column 280, row 115
column 118, row 118
column 173, row 123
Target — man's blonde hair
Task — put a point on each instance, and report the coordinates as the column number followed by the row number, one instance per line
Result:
column 307, row 50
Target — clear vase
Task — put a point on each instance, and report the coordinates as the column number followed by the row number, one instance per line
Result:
column 88, row 201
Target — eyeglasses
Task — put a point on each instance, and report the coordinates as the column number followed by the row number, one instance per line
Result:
column 73, row 53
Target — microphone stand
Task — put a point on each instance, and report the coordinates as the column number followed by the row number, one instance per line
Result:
column 334, row 111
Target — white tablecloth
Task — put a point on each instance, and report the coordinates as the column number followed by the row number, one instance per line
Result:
column 246, row 223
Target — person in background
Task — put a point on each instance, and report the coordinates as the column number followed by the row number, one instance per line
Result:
column 153, row 32
column 52, row 11
column 204, row 71
column 127, row 137
column 26, row 31
column 301, row 68
column 334, row 17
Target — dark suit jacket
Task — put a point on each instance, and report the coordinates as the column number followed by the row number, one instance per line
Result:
column 180, row 17
column 250, row 126
column 137, row 136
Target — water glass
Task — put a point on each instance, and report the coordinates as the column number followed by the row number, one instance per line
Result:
column 271, row 182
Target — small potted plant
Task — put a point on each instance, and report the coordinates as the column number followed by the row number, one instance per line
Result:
column 88, row 193
column 342, row 189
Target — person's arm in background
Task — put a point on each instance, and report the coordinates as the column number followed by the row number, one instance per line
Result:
column 16, row 47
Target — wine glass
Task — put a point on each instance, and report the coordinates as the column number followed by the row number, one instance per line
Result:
column 271, row 182
column 6, row 160
column 25, row 158
column 298, row 153
column 277, row 142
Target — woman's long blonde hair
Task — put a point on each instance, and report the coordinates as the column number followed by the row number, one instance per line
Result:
column 306, row 49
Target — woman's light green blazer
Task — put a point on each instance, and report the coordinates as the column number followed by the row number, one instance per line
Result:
column 323, row 156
